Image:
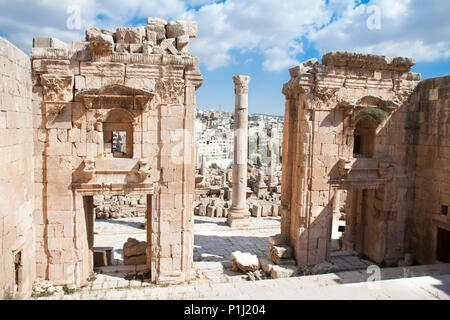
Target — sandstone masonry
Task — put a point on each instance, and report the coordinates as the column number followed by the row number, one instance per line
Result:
column 361, row 130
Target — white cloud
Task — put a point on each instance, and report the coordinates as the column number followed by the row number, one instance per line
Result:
column 275, row 29
column 410, row 28
column 24, row 19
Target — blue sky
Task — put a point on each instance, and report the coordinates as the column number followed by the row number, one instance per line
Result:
column 260, row 38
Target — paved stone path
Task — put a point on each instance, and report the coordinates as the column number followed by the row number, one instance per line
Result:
column 417, row 282
column 213, row 239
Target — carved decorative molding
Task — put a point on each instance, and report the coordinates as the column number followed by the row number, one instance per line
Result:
column 241, row 84
column 170, row 91
column 344, row 166
column 360, row 173
column 57, row 94
column 115, row 96
column 99, row 167
column 144, row 170
column 57, row 88
column 326, row 94
column 89, row 167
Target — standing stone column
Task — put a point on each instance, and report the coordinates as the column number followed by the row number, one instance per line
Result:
column 203, row 166
column 271, row 161
column 239, row 214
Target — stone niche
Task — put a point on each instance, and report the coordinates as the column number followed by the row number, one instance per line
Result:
column 118, row 114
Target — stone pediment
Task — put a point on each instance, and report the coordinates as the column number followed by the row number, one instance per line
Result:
column 114, row 96
column 369, row 102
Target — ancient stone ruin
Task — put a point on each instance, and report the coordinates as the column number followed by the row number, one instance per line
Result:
column 106, row 129
column 363, row 133
column 114, row 115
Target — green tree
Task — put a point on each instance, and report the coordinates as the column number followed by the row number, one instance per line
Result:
column 214, row 166
column 258, row 162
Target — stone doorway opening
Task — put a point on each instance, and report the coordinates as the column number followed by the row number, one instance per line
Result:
column 18, row 272
column 350, row 226
column 117, row 233
column 443, row 245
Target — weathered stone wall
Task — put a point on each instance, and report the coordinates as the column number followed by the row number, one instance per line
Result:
column 327, row 105
column 430, row 126
column 138, row 80
column 16, row 170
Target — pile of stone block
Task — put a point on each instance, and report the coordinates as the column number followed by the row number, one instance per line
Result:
column 119, row 206
column 212, row 207
column 281, row 263
column 262, row 208
column 157, row 37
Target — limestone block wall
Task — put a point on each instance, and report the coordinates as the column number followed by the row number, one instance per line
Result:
column 137, row 80
column 324, row 105
column 17, row 249
column 431, row 155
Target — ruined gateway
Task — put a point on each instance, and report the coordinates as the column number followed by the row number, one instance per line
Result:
column 61, row 119
column 360, row 130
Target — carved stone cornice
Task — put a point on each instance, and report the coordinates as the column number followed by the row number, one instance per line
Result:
column 193, row 77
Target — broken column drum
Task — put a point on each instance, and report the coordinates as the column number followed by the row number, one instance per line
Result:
column 239, row 214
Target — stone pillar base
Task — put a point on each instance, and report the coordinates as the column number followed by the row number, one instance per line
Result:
column 238, row 219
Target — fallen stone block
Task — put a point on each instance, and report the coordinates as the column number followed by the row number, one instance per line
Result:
column 266, row 210
column 281, row 251
column 283, row 271
column 202, row 210
column 277, row 239
column 134, row 247
column 180, row 28
column 266, row 265
column 245, row 261
column 256, row 211
column 158, row 30
column 182, row 43
column 275, row 210
column 211, row 211
column 130, row 35
column 39, row 42
column 95, row 31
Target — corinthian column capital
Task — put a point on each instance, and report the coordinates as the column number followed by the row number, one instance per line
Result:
column 241, row 84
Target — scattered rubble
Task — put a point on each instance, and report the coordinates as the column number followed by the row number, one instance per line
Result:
column 245, row 261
